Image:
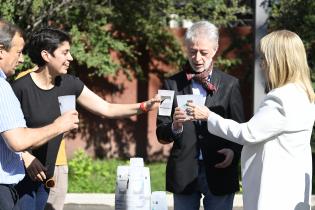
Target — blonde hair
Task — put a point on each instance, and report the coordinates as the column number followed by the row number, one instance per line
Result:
column 285, row 61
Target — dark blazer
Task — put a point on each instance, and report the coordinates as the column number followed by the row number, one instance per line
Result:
column 182, row 164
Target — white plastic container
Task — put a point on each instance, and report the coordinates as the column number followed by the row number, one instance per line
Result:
column 158, row 200
column 122, row 177
column 133, row 186
column 136, row 162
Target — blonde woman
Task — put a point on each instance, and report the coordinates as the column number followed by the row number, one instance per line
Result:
column 276, row 157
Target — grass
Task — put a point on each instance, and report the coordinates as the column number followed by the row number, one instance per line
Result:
column 99, row 176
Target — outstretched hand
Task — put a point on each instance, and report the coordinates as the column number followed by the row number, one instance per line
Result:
column 196, row 112
column 153, row 103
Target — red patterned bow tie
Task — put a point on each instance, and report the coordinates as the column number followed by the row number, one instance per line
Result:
column 202, row 78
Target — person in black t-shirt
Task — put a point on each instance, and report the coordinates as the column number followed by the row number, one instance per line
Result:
column 38, row 93
column 14, row 135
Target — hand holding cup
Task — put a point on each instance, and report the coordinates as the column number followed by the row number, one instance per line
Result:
column 179, row 117
column 153, row 103
column 69, row 116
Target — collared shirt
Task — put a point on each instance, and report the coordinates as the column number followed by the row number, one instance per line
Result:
column 11, row 116
column 197, row 89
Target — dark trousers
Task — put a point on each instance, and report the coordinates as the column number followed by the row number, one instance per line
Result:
column 33, row 195
column 210, row 201
column 8, row 197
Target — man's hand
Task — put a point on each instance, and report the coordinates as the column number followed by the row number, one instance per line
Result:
column 229, row 155
column 67, row 121
column 179, row 117
column 34, row 167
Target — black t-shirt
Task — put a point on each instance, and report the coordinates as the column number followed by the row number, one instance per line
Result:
column 41, row 107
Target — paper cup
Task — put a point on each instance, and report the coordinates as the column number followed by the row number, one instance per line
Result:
column 66, row 103
column 158, row 200
column 167, row 96
column 136, row 162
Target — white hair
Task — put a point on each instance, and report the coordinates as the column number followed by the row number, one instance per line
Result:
column 202, row 29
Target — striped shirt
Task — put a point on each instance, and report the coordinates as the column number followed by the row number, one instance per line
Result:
column 11, row 116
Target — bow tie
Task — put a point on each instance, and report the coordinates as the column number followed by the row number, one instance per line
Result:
column 206, row 84
column 203, row 79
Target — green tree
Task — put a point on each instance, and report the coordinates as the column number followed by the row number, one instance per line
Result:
column 136, row 31
column 297, row 16
column 108, row 25
column 221, row 12
column 92, row 42
column 145, row 31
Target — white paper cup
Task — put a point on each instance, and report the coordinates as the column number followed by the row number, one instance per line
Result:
column 182, row 101
column 136, row 162
column 122, row 178
column 167, row 96
column 121, row 187
column 158, row 200
column 66, row 103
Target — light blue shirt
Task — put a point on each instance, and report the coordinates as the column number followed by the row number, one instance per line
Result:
column 11, row 116
column 197, row 89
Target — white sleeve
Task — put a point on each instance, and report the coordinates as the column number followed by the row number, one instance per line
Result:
column 268, row 122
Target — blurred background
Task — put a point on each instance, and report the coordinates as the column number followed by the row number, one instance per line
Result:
column 123, row 49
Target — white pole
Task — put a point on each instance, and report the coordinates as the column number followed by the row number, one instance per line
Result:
column 261, row 16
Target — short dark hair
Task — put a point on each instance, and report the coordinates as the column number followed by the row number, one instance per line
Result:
column 48, row 39
column 7, row 32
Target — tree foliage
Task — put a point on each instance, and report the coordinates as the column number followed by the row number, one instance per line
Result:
column 297, row 16
column 221, row 12
column 134, row 30
column 85, row 20
column 128, row 35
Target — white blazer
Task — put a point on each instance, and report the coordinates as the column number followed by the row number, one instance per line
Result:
column 276, row 158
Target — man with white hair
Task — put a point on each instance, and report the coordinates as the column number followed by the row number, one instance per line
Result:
column 196, row 165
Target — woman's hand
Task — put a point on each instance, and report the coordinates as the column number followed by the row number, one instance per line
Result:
column 196, row 112
column 153, row 103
